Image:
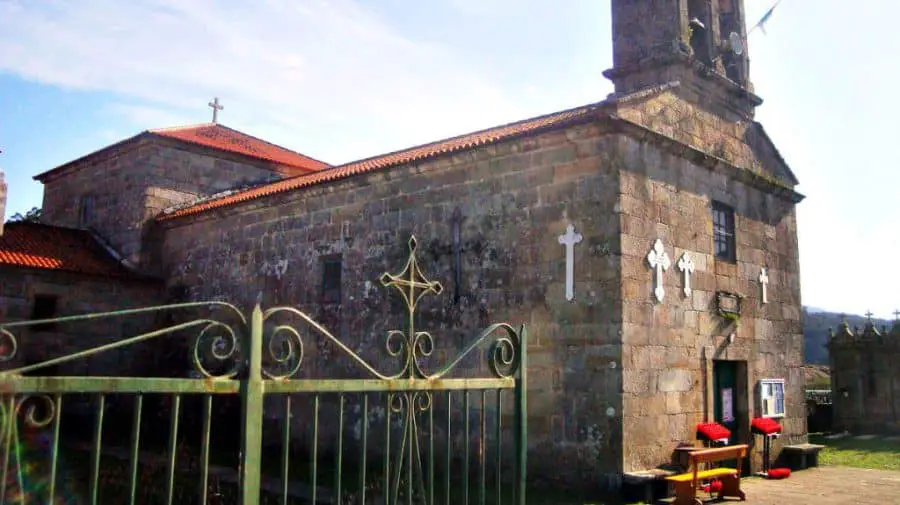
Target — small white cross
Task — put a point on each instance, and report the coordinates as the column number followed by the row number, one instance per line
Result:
column 569, row 240
column 764, row 282
column 216, row 107
column 686, row 265
column 659, row 261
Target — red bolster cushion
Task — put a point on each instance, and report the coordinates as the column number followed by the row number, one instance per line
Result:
column 765, row 426
column 779, row 473
column 712, row 431
column 713, row 487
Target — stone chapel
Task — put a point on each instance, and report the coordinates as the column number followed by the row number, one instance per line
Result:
column 648, row 242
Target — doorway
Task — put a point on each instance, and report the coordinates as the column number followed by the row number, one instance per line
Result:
column 731, row 405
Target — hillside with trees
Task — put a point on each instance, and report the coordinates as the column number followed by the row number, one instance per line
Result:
column 33, row 216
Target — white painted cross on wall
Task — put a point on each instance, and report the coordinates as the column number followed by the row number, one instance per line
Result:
column 686, row 265
column 659, row 261
column 569, row 240
column 764, row 282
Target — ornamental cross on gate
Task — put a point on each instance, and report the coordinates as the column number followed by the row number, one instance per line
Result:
column 413, row 285
column 659, row 261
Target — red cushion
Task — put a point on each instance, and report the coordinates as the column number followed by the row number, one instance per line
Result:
column 779, row 473
column 712, row 431
column 713, row 487
column 765, row 426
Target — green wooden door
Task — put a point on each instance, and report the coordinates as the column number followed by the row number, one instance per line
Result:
column 725, row 381
column 725, row 406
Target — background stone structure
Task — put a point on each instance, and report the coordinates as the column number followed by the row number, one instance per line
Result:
column 64, row 272
column 865, row 379
column 140, row 177
column 78, row 294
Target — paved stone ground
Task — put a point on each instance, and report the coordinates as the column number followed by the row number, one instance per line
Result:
column 825, row 486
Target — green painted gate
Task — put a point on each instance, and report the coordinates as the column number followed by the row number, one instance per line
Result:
column 414, row 436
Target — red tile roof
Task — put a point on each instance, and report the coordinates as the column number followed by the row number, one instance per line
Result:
column 223, row 138
column 33, row 245
column 226, row 139
column 418, row 153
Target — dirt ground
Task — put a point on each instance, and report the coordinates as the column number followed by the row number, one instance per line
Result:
column 824, row 486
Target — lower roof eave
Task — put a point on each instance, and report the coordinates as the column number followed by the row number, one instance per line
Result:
column 132, row 277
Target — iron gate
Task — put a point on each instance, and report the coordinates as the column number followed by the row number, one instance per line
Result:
column 414, row 457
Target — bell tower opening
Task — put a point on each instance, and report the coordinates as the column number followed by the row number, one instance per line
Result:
column 731, row 26
column 699, row 27
column 701, row 44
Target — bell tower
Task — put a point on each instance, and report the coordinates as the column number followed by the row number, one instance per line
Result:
column 699, row 43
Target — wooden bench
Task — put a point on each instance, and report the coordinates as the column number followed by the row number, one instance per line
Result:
column 802, row 456
column 687, row 484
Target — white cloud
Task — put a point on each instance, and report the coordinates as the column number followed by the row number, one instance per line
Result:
column 479, row 7
column 324, row 77
column 144, row 115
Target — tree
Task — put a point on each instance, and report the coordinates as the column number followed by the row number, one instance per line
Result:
column 32, row 216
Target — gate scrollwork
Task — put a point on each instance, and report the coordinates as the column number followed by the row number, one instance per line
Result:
column 228, row 352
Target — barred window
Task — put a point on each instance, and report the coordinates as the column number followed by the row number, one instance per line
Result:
column 85, row 210
column 331, row 279
column 723, row 231
column 44, row 308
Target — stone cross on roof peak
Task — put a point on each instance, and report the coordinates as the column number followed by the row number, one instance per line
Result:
column 216, row 107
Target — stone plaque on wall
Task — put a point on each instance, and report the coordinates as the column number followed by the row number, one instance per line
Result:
column 728, row 303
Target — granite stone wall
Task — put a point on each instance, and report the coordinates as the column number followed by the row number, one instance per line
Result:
column 515, row 199
column 617, row 380
column 78, row 294
column 134, row 182
column 669, row 347
column 691, row 115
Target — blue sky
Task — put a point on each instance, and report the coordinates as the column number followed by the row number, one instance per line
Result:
column 339, row 80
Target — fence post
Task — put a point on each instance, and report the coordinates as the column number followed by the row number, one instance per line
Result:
column 252, row 414
column 522, row 418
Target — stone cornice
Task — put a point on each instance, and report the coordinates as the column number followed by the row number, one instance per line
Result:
column 679, row 57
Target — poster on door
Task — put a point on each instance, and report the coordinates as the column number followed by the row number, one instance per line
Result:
column 727, row 405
